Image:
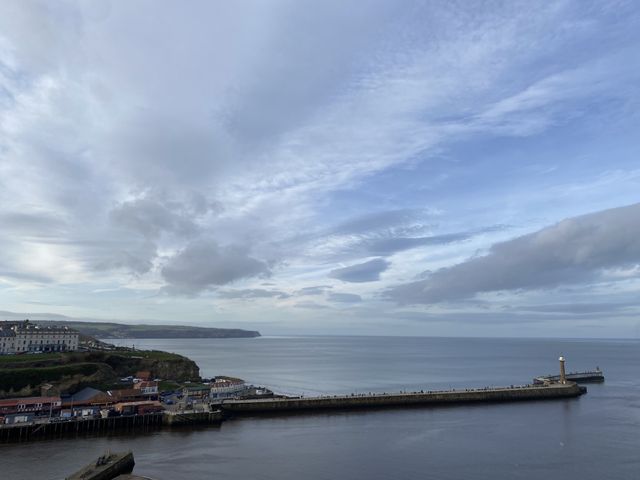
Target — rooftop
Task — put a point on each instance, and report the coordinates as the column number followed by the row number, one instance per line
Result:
column 27, row 400
column 27, row 325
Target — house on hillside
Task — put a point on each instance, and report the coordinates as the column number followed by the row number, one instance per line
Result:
column 23, row 337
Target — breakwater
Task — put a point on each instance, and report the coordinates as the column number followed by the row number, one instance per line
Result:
column 101, row 426
column 487, row 395
column 191, row 418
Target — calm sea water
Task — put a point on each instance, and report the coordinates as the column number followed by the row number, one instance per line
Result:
column 594, row 437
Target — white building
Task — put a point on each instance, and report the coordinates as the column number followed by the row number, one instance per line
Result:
column 147, row 388
column 22, row 337
column 226, row 387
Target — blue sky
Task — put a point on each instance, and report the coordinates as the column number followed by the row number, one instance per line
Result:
column 409, row 168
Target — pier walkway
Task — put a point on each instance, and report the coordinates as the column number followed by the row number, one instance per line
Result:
column 499, row 394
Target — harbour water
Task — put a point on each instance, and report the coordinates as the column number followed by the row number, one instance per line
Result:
column 594, row 437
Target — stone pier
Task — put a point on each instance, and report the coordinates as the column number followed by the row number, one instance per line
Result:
column 488, row 395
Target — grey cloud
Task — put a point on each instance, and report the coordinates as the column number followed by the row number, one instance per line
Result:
column 317, row 66
column 150, row 218
column 39, row 224
column 574, row 251
column 250, row 293
column 362, row 272
column 344, row 298
column 156, row 149
column 204, row 264
column 134, row 256
column 310, row 305
column 25, row 276
column 316, row 290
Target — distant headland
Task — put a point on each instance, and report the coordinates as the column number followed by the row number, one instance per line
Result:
column 109, row 330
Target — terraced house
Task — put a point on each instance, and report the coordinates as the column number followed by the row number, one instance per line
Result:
column 23, row 337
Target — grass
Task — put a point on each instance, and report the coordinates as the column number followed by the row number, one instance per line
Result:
column 58, row 357
column 18, row 378
column 150, row 354
column 4, row 359
column 167, row 385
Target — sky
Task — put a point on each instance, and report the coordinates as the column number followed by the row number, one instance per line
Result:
column 449, row 168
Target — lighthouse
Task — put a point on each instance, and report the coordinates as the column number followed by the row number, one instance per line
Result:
column 563, row 375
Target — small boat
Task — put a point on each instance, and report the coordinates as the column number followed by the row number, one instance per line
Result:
column 593, row 376
column 107, row 467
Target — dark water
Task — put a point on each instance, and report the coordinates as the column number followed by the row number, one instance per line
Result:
column 594, row 437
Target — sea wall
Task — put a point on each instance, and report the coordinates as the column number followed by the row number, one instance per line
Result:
column 100, row 426
column 93, row 426
column 507, row 394
column 192, row 418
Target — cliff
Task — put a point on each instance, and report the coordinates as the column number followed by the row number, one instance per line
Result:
column 24, row 375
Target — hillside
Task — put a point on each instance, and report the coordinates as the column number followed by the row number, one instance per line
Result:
column 24, row 375
column 120, row 330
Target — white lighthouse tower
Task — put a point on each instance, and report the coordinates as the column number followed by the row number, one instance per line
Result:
column 563, row 375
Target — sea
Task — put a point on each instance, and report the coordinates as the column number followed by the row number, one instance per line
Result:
column 594, row 437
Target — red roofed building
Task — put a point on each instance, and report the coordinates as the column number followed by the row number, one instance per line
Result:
column 147, row 388
column 126, row 395
column 35, row 405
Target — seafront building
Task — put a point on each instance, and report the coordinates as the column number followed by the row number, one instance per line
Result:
column 22, row 410
column 226, row 387
column 147, row 388
column 25, row 336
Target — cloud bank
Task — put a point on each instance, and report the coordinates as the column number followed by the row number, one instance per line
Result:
column 576, row 250
column 204, row 264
